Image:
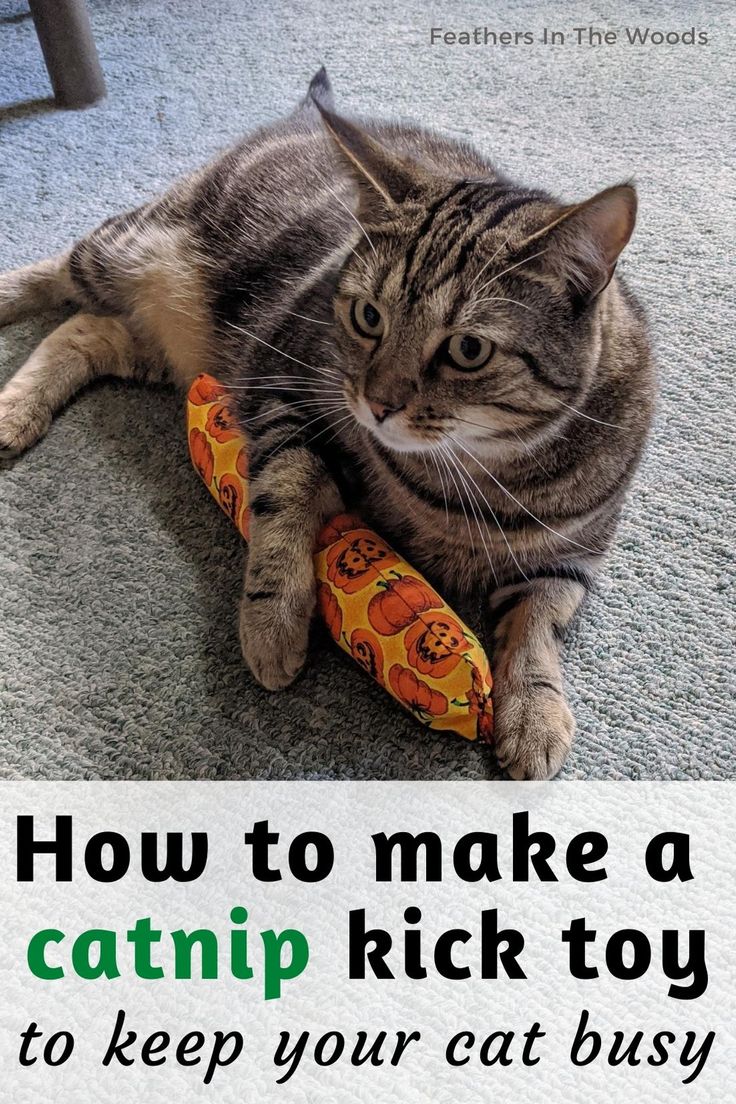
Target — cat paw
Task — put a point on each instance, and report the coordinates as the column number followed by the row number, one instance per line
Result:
column 274, row 635
column 22, row 423
column 534, row 731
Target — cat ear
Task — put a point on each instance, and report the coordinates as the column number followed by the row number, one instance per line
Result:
column 384, row 181
column 319, row 91
column 584, row 242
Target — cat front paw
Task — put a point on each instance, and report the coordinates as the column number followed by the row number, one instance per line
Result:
column 534, row 731
column 274, row 634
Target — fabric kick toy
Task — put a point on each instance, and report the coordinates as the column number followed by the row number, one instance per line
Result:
column 376, row 607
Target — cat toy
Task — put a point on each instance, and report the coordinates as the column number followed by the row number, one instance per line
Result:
column 378, row 609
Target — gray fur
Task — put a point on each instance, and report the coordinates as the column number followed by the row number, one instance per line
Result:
column 505, row 482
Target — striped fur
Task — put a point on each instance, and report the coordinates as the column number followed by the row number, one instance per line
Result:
column 505, row 481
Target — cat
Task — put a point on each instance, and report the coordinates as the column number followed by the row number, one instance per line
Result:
column 405, row 332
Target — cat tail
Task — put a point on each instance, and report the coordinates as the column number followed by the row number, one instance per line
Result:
column 319, row 92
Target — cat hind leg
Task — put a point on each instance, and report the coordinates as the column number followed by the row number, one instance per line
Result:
column 82, row 349
column 37, row 287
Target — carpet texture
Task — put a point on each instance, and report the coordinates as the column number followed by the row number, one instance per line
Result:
column 119, row 577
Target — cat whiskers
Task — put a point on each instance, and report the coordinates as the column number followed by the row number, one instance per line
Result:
column 492, row 512
column 477, row 513
column 305, row 389
column 489, row 262
column 266, row 305
column 300, row 429
column 530, row 453
column 351, row 429
column 518, row 264
column 303, row 407
column 336, row 426
column 358, row 256
column 439, row 451
column 286, row 376
column 507, row 492
column 305, row 318
column 425, row 465
column 588, row 417
column 503, row 299
column 255, row 337
column 355, row 219
column 517, row 435
column 405, row 461
column 441, row 478
column 461, row 500
column 467, row 421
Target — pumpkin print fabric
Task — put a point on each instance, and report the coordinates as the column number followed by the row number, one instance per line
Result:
column 375, row 606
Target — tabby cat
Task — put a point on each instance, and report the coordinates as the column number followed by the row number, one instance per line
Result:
column 407, row 333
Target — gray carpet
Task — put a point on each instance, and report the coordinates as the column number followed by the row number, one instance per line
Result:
column 119, row 576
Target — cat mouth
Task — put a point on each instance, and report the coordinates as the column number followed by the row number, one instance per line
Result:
column 395, row 432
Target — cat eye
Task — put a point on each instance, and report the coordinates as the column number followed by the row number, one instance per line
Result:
column 468, row 353
column 366, row 318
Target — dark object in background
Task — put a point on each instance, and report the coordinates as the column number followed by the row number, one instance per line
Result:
column 69, row 51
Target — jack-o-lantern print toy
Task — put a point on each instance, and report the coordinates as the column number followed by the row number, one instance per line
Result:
column 375, row 606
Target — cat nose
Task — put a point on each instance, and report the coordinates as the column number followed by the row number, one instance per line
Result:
column 382, row 410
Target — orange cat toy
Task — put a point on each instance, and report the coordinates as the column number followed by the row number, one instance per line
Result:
column 376, row 607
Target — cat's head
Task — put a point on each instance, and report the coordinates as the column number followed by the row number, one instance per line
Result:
column 469, row 308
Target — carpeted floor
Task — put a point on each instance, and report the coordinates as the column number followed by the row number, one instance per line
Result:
column 119, row 577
